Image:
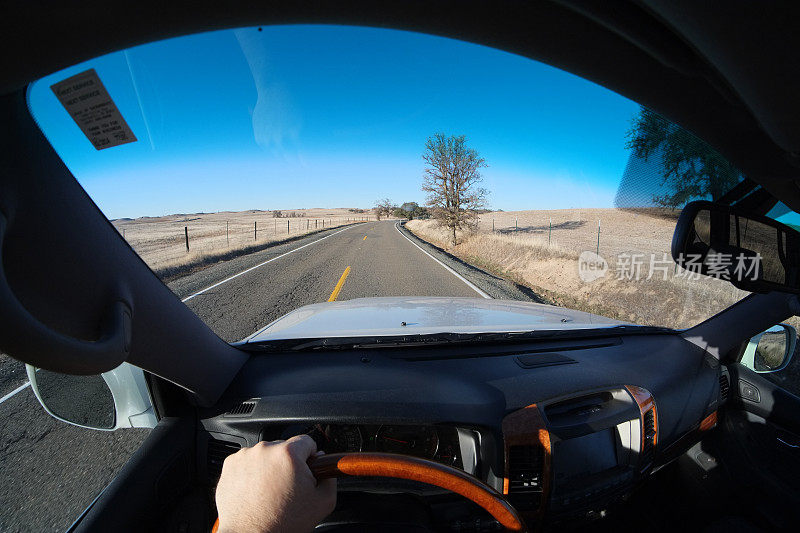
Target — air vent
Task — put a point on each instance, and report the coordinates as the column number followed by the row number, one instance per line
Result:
column 242, row 409
column 724, row 386
column 649, row 444
column 218, row 450
column 525, row 477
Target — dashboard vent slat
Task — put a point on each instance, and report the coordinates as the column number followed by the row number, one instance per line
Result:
column 242, row 409
column 525, row 476
column 218, row 450
column 724, row 387
column 649, row 428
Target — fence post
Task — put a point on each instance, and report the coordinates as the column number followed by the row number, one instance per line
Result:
column 287, row 226
column 255, row 230
column 515, row 223
column 492, row 225
column 598, row 237
column 550, row 231
column 227, row 233
column 186, row 233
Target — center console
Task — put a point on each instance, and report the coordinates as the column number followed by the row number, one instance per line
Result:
column 572, row 457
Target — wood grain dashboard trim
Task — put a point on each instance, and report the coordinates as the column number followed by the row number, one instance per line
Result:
column 646, row 403
column 709, row 422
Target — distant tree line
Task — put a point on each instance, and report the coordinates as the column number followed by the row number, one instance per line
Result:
column 410, row 210
column 277, row 213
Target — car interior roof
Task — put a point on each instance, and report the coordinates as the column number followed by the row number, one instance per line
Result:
column 709, row 66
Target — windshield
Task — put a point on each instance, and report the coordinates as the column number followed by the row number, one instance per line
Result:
column 260, row 170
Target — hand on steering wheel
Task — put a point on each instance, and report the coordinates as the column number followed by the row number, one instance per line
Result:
column 301, row 450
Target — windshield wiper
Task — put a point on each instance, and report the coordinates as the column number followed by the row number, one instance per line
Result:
column 438, row 339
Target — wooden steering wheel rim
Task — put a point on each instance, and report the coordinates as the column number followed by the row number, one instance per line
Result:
column 417, row 469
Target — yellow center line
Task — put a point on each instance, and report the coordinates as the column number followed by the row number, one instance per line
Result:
column 365, row 237
column 339, row 285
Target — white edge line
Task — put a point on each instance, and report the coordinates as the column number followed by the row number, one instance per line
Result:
column 226, row 280
column 28, row 383
column 15, row 391
column 453, row 272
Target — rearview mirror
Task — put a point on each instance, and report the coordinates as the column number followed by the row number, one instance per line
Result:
column 115, row 399
column 772, row 350
column 754, row 253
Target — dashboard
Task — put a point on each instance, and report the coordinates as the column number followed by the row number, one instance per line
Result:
column 563, row 428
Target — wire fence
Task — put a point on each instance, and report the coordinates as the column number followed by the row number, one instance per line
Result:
column 608, row 232
column 169, row 241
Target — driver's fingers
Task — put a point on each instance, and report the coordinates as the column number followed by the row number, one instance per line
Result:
column 301, row 447
column 326, row 489
column 326, row 486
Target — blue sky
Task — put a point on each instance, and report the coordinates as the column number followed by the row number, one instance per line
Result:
column 327, row 116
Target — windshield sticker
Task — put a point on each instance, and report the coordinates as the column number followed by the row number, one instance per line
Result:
column 90, row 106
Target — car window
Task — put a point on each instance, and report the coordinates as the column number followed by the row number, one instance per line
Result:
column 228, row 149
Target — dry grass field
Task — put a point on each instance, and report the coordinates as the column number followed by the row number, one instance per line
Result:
column 523, row 248
column 161, row 241
column 621, row 231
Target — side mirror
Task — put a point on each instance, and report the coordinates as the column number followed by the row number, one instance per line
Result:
column 112, row 400
column 754, row 253
column 770, row 351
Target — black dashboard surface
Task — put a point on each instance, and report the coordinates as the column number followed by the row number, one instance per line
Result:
column 641, row 396
column 473, row 386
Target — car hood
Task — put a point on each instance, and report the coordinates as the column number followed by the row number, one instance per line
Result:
column 390, row 316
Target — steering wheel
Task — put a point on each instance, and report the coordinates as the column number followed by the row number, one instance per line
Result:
column 416, row 469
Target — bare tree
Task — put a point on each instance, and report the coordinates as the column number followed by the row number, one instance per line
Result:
column 384, row 208
column 451, row 179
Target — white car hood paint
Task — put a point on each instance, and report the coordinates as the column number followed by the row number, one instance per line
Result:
column 423, row 315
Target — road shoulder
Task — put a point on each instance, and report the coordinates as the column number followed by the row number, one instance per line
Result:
column 494, row 286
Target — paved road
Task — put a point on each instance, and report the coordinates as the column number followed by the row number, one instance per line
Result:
column 50, row 471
